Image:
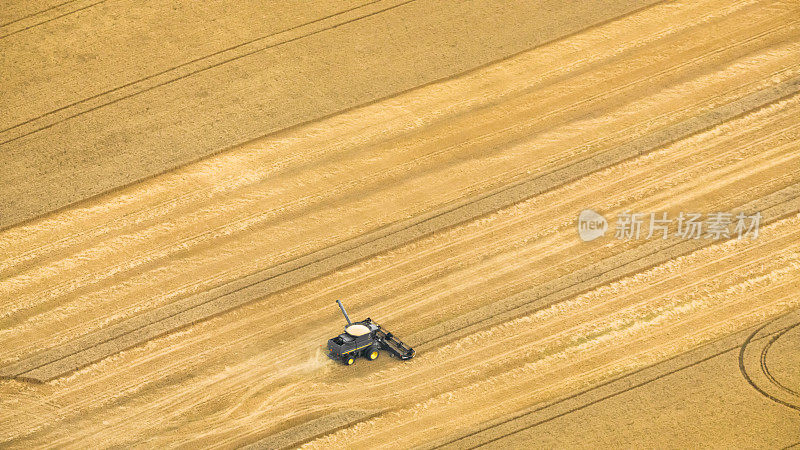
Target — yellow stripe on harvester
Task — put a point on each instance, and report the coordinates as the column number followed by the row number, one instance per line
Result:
column 359, row 348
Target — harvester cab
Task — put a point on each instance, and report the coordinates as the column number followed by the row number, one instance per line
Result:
column 367, row 339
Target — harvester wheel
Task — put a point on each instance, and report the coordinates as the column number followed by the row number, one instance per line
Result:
column 373, row 353
column 349, row 360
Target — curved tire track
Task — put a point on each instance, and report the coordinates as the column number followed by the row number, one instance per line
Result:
column 765, row 367
column 766, row 387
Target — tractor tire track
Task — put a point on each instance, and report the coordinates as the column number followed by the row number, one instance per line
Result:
column 36, row 13
column 22, row 27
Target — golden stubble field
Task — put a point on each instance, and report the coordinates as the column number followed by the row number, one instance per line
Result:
column 161, row 292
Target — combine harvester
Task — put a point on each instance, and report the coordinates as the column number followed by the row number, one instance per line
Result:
column 367, row 339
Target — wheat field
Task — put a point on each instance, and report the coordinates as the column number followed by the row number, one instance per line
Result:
column 180, row 215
